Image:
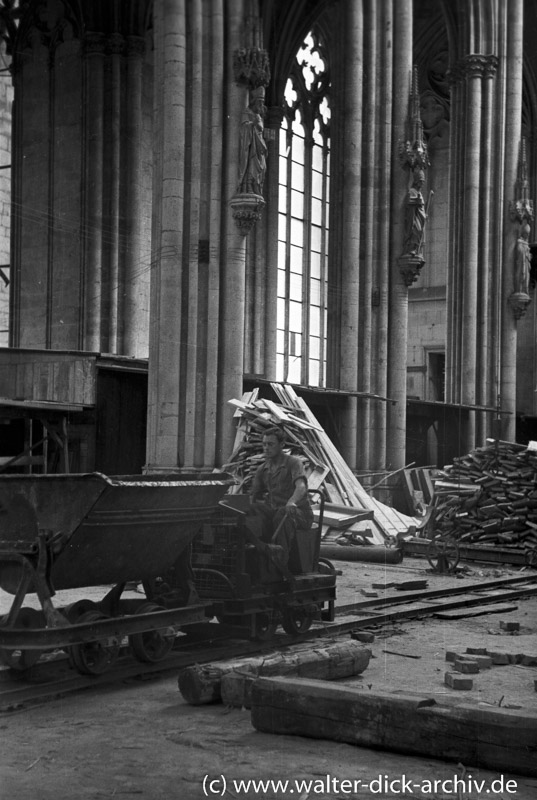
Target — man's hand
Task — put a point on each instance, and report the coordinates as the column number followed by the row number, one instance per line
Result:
column 291, row 509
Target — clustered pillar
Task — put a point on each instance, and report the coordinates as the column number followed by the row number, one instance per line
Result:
column 481, row 325
column 196, row 357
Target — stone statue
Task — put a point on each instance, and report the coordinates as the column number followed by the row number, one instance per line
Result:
column 523, row 260
column 416, row 215
column 252, row 147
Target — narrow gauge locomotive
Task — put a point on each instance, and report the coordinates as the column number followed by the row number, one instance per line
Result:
column 61, row 532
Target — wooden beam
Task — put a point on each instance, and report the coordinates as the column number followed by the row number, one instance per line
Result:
column 201, row 683
column 500, row 739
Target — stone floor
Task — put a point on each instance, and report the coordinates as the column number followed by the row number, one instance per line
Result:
column 141, row 739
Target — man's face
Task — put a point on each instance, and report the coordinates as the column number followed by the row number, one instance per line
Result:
column 271, row 447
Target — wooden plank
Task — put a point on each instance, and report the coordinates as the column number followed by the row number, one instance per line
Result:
column 460, row 613
column 316, row 477
column 341, row 520
column 504, row 740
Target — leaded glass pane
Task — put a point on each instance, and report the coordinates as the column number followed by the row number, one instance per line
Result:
column 315, row 292
column 294, row 370
column 317, row 184
column 297, row 259
column 315, row 346
column 297, row 232
column 313, row 377
column 316, row 238
column 315, row 265
column 315, row 321
column 295, row 287
column 281, row 282
column 298, row 149
column 316, row 211
column 295, row 317
column 282, row 227
column 297, row 204
column 297, row 177
column 317, row 158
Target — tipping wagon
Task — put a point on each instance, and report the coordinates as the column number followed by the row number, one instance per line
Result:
column 71, row 532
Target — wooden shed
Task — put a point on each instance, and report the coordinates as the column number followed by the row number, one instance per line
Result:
column 69, row 411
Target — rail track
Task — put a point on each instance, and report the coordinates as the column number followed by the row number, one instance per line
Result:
column 54, row 677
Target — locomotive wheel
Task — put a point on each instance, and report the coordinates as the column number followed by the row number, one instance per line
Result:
column 265, row 626
column 296, row 619
column 443, row 553
column 24, row 659
column 77, row 609
column 94, row 658
column 151, row 646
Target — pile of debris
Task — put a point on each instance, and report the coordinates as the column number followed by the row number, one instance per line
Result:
column 489, row 497
column 324, row 466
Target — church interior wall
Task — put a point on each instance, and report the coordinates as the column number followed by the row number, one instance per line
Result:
column 95, row 216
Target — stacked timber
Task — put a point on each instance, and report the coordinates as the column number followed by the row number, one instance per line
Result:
column 489, row 497
column 324, row 465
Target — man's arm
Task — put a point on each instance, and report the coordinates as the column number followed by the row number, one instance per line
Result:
column 301, row 490
column 257, row 490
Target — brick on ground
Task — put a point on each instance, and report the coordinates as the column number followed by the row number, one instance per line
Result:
column 466, row 666
column 457, row 681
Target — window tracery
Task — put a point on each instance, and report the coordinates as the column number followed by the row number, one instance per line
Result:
column 304, row 205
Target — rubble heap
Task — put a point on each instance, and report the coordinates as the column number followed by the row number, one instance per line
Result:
column 489, row 497
column 325, row 467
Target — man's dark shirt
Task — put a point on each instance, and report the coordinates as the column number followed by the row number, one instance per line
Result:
column 276, row 488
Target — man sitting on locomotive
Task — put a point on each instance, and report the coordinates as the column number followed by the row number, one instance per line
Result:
column 279, row 494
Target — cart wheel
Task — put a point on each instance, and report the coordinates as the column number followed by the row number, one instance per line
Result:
column 24, row 659
column 151, row 646
column 297, row 619
column 443, row 553
column 94, row 658
column 265, row 626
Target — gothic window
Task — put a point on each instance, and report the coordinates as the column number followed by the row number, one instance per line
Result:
column 303, row 207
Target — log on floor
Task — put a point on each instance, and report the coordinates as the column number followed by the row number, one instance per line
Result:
column 500, row 739
column 202, row 683
column 371, row 553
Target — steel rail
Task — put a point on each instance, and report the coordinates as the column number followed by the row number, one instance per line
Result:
column 18, row 691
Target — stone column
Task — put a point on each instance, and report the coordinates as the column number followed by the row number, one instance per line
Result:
column 473, row 69
column 167, row 237
column 350, row 211
column 485, row 389
column 133, row 281
column 244, row 208
column 513, row 121
column 470, row 276
column 210, row 230
column 113, row 234
column 197, row 292
column 192, row 311
column 398, row 297
column 369, row 216
column 94, row 104
column 379, row 298
column 272, row 126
